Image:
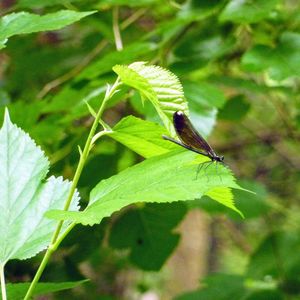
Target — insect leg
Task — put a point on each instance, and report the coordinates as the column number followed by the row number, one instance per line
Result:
column 200, row 166
column 208, row 164
column 217, row 171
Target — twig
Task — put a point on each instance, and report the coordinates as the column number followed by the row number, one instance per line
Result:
column 116, row 29
column 86, row 60
column 131, row 19
column 99, row 47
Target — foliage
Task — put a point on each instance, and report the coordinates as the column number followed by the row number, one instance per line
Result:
column 25, row 197
column 17, row 291
column 233, row 66
column 22, row 22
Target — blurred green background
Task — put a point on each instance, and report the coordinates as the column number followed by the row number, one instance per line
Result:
column 239, row 63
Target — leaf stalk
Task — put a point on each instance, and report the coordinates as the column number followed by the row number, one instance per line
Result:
column 2, row 279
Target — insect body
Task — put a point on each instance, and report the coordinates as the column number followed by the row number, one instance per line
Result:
column 190, row 138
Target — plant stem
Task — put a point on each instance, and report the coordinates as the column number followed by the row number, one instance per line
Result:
column 2, row 279
column 56, row 240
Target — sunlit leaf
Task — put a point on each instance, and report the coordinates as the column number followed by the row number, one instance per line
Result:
column 158, row 85
column 25, row 195
column 165, row 178
column 143, row 137
column 252, row 205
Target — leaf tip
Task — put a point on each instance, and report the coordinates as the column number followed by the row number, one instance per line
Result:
column 6, row 113
column 6, row 116
column 239, row 212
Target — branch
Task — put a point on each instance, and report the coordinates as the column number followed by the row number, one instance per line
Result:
column 116, row 29
column 99, row 47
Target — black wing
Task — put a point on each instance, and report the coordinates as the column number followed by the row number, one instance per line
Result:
column 189, row 135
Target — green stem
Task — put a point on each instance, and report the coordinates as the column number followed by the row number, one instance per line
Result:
column 2, row 279
column 56, row 240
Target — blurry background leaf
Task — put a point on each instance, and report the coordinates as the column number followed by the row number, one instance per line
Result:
column 214, row 288
column 276, row 246
column 105, row 64
column 204, row 94
column 234, row 109
column 245, row 11
column 281, row 62
column 17, row 291
column 23, row 22
column 40, row 3
column 147, row 232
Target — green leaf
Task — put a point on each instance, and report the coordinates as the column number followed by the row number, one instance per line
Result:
column 264, row 260
column 98, row 167
column 130, row 3
column 267, row 294
column 248, row 11
column 246, row 85
column 281, row 62
column 23, row 22
column 252, row 205
column 214, row 288
column 222, row 195
column 41, row 3
column 148, row 233
column 25, row 121
column 235, row 109
column 25, row 196
column 17, row 291
column 165, row 178
column 203, row 47
column 198, row 10
column 143, row 137
column 237, row 287
column 105, row 63
column 204, row 94
column 158, row 85
column 82, row 242
column 73, row 97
